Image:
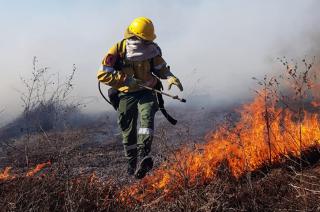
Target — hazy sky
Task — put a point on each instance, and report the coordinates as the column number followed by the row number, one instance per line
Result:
column 214, row 47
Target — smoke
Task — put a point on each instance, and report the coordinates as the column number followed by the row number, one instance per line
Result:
column 214, row 47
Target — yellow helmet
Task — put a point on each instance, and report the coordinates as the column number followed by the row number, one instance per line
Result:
column 141, row 27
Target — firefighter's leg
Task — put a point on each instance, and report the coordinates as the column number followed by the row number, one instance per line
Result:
column 127, row 120
column 147, row 107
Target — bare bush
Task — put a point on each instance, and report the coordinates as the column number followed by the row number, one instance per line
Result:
column 46, row 103
column 46, row 100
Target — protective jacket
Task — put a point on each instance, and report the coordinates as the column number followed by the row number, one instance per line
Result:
column 116, row 67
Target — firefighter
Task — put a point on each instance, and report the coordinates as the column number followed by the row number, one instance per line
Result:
column 134, row 61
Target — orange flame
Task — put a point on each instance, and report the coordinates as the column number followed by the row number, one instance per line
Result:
column 5, row 175
column 246, row 147
column 37, row 169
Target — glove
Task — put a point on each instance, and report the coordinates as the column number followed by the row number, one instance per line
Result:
column 174, row 81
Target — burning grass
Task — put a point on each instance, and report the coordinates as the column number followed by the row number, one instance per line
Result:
column 242, row 150
column 268, row 132
column 7, row 175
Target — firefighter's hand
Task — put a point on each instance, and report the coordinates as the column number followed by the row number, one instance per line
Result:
column 174, row 81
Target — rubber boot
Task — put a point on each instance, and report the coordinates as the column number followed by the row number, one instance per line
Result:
column 145, row 165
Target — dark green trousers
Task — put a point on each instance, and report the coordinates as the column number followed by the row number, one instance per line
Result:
column 142, row 105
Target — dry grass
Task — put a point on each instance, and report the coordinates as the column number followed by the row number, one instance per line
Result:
column 72, row 184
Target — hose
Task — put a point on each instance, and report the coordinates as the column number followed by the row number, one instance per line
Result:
column 105, row 98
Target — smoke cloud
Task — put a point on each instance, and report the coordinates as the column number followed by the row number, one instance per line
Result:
column 214, row 47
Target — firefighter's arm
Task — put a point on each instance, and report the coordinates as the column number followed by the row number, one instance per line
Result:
column 107, row 74
column 111, row 77
column 162, row 71
column 160, row 68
